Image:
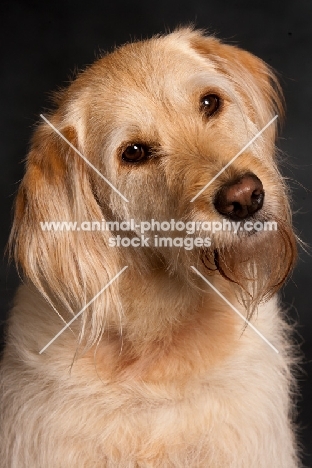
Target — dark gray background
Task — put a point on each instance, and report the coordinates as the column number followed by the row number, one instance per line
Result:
column 43, row 43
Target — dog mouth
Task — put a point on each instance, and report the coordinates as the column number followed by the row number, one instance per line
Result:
column 257, row 261
column 232, row 231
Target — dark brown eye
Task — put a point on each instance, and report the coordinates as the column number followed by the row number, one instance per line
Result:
column 209, row 104
column 135, row 153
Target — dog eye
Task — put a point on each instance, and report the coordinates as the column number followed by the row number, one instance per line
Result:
column 209, row 104
column 135, row 153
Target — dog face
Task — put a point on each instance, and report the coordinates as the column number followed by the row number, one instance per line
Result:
column 159, row 119
column 164, row 116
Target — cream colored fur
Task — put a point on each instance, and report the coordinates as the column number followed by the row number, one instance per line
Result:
column 159, row 371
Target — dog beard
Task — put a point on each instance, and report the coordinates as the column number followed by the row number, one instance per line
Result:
column 257, row 264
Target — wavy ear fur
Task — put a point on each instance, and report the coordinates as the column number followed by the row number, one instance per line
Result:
column 69, row 268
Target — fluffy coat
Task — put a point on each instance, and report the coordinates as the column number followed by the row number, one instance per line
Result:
column 158, row 371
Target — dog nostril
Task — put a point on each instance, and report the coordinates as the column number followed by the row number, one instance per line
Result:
column 240, row 199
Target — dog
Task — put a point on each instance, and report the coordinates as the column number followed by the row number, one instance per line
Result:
column 159, row 354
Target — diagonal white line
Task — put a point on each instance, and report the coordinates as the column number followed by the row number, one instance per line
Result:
column 233, row 159
column 236, row 310
column 82, row 310
column 83, row 157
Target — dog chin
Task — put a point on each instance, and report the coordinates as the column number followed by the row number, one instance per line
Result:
column 259, row 261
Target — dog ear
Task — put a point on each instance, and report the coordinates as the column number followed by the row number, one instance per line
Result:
column 69, row 267
column 254, row 78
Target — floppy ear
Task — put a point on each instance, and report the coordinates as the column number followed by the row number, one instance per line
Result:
column 68, row 267
column 254, row 78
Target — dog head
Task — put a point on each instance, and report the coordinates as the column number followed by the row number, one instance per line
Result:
column 159, row 120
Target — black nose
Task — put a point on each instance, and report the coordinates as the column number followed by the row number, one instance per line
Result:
column 241, row 198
